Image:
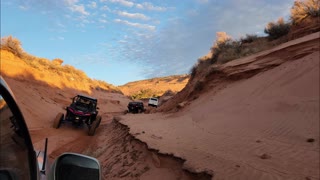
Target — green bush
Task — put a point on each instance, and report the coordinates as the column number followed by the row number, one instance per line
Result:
column 277, row 29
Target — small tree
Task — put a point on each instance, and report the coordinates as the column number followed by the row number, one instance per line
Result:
column 304, row 9
column 277, row 29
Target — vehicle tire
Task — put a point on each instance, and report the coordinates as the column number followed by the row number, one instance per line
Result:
column 57, row 121
column 94, row 126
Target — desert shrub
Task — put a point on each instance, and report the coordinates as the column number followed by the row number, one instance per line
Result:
column 13, row 45
column 229, row 50
column 145, row 93
column 193, row 71
column 222, row 39
column 225, row 51
column 277, row 29
column 102, row 85
column 303, row 9
column 43, row 62
column 74, row 71
column 249, row 38
column 199, row 86
column 57, row 61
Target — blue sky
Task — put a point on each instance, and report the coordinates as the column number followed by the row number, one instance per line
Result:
column 120, row 41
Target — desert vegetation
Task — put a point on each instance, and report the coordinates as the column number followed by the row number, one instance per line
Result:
column 19, row 64
column 154, row 87
column 304, row 9
column 277, row 29
column 226, row 49
column 145, row 93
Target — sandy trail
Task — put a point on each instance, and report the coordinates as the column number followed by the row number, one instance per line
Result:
column 121, row 156
column 256, row 128
column 258, row 119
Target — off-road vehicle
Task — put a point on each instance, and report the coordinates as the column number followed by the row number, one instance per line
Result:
column 135, row 107
column 19, row 159
column 83, row 110
column 154, row 102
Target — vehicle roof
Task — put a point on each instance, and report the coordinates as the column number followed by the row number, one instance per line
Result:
column 87, row 97
column 135, row 102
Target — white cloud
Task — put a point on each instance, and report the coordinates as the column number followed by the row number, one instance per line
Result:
column 104, row 15
column 122, row 41
column 85, row 21
column 92, row 5
column 56, row 38
column 74, row 7
column 79, row 8
column 81, row 25
column 123, row 2
column 202, row 1
column 150, row 6
column 60, row 25
column 105, row 8
column 133, row 15
column 71, row 2
column 24, row 7
column 175, row 47
column 138, row 25
column 103, row 21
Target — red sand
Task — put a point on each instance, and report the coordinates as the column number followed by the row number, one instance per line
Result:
column 255, row 128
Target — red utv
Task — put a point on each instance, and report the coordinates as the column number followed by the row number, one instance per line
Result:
column 83, row 110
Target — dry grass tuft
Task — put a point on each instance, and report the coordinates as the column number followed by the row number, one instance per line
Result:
column 304, row 9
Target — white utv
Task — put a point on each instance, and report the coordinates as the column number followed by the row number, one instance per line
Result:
column 154, row 102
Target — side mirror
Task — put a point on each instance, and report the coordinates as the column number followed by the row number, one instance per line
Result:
column 70, row 166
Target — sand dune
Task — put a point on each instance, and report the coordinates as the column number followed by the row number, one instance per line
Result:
column 259, row 127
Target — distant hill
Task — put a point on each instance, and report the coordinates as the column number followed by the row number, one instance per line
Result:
column 155, row 86
column 19, row 65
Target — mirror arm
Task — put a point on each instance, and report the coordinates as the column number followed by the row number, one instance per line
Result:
column 43, row 169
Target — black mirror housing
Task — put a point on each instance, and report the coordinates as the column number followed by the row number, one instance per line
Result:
column 69, row 166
